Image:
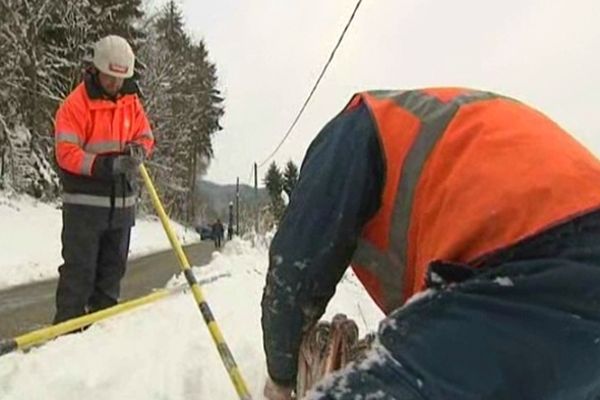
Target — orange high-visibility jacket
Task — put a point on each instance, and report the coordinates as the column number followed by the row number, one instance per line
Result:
column 86, row 127
column 467, row 173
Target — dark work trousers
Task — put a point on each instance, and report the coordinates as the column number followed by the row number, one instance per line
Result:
column 525, row 325
column 95, row 255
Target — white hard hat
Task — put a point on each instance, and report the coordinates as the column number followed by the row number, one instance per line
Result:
column 113, row 56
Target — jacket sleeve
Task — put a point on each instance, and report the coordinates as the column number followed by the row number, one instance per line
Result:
column 142, row 131
column 69, row 138
column 338, row 191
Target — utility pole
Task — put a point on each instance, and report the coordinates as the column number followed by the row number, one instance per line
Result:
column 256, row 197
column 237, row 207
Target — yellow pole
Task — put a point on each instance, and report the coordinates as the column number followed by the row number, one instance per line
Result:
column 217, row 336
column 44, row 334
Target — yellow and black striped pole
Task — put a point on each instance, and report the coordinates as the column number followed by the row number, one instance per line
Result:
column 226, row 356
column 44, row 334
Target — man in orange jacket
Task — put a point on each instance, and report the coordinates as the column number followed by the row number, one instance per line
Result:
column 101, row 134
column 475, row 201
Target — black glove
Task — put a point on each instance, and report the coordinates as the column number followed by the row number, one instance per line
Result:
column 136, row 151
column 126, row 165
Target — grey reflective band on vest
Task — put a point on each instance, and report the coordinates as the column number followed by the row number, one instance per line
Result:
column 368, row 256
column 435, row 116
column 105, row 146
column 67, row 137
column 86, row 164
column 382, row 264
column 97, row 201
column 147, row 134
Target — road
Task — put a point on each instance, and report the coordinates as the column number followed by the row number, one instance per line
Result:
column 28, row 307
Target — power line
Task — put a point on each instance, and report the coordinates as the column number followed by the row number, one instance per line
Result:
column 314, row 87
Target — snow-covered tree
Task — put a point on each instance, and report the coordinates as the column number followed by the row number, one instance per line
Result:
column 45, row 46
column 184, row 104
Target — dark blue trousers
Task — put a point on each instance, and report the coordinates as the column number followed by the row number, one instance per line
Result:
column 95, row 254
column 524, row 325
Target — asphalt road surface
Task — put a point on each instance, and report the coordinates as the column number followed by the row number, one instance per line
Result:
column 29, row 307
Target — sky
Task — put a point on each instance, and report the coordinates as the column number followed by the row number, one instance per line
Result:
column 162, row 350
column 269, row 53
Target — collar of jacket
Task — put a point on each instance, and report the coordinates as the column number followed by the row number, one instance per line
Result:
column 96, row 92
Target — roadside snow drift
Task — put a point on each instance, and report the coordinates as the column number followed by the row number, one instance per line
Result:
column 164, row 350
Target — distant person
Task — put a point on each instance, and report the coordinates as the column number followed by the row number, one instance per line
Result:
column 101, row 136
column 230, row 224
column 217, row 233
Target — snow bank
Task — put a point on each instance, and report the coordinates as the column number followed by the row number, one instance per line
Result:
column 30, row 239
column 164, row 350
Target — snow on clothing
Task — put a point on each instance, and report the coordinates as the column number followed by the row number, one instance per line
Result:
column 91, row 130
column 481, row 157
column 526, row 325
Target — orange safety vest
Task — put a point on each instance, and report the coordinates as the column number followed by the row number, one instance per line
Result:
column 467, row 172
column 87, row 127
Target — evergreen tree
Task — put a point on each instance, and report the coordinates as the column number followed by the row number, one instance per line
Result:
column 185, row 106
column 166, row 104
column 204, row 110
column 290, row 178
column 169, row 26
column 274, row 182
column 117, row 17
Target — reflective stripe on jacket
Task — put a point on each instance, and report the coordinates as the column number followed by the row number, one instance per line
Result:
column 467, row 173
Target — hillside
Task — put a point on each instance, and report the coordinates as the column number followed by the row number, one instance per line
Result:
column 213, row 199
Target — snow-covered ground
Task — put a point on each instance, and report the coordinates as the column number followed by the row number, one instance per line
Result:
column 162, row 350
column 30, row 239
